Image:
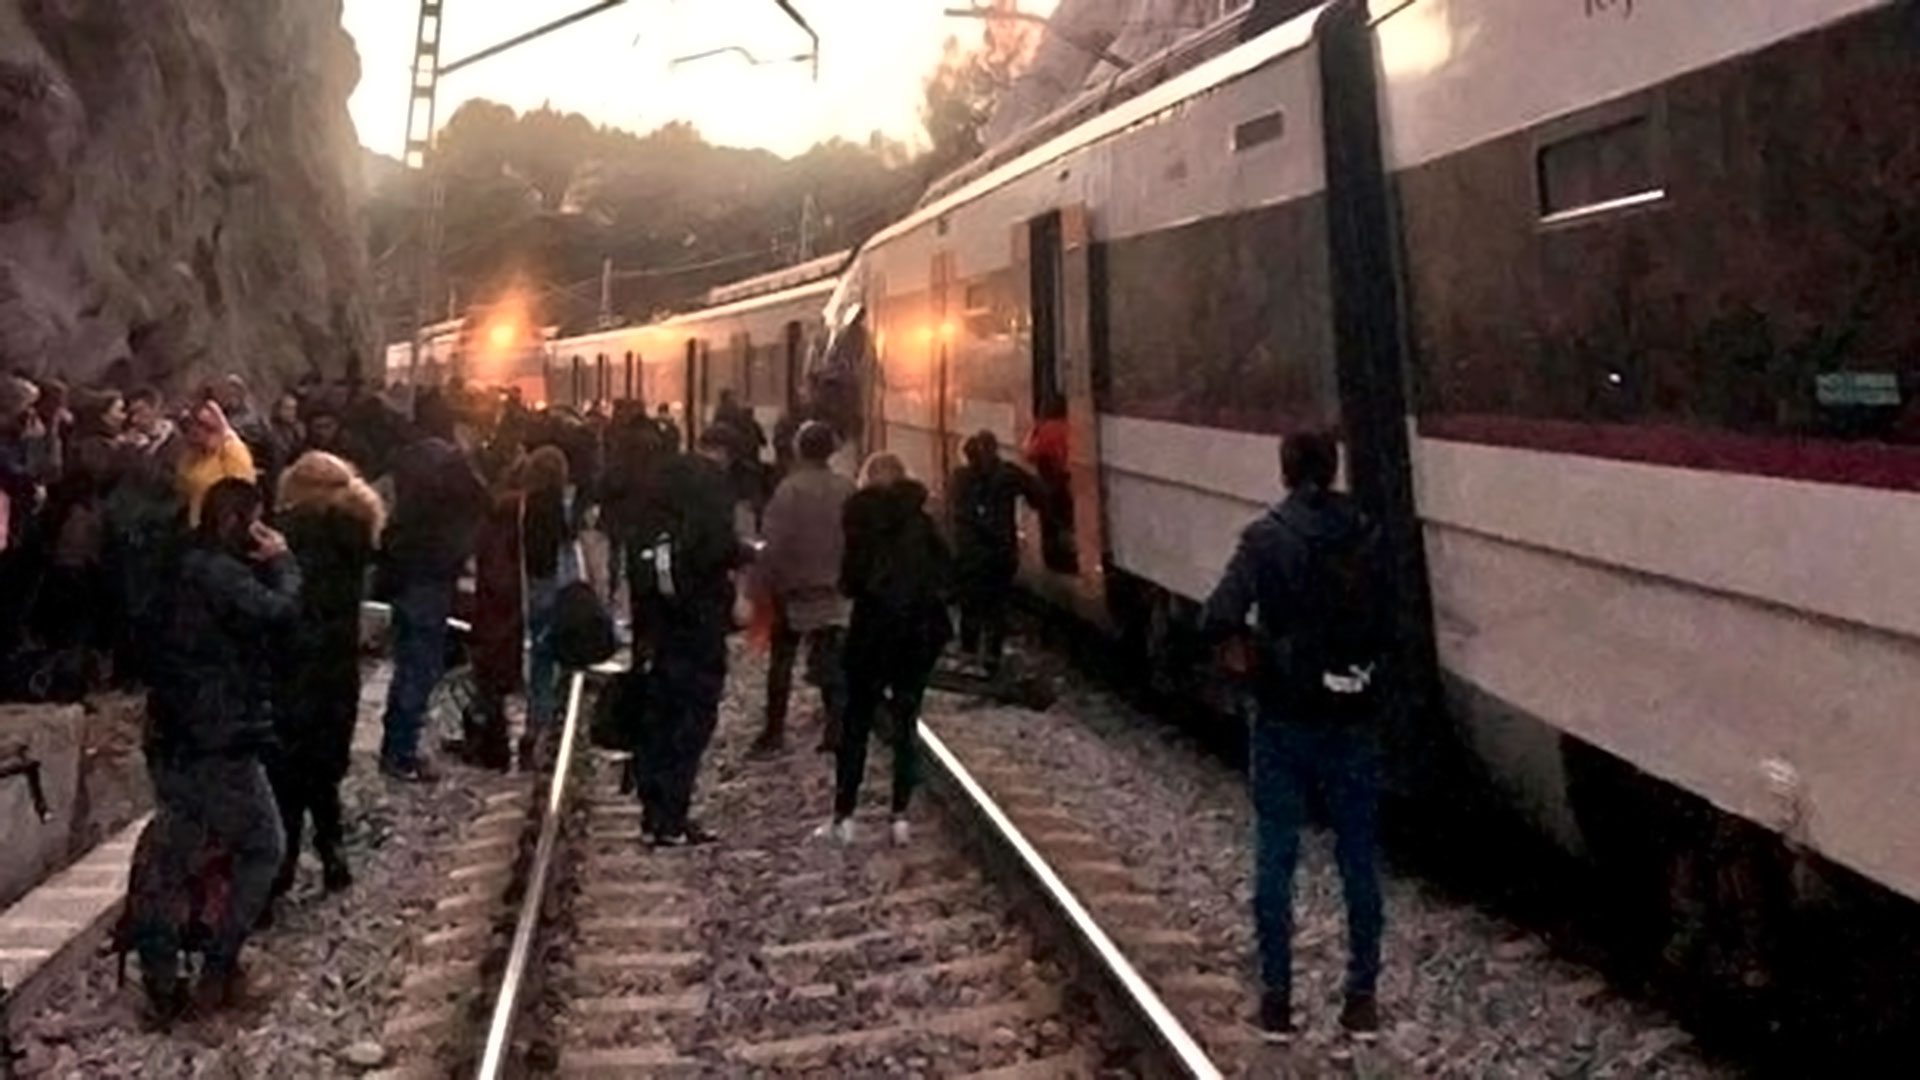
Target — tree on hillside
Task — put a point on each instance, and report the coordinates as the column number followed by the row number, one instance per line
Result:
column 961, row 94
column 542, row 198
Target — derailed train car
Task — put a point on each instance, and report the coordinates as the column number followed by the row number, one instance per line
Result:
column 1612, row 303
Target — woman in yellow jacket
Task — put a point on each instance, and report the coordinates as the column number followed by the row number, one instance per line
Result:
column 213, row 453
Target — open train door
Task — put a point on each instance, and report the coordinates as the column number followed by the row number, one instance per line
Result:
column 1065, row 550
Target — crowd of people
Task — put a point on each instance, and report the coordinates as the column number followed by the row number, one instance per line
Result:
column 220, row 558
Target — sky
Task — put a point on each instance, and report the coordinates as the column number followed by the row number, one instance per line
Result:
column 615, row 67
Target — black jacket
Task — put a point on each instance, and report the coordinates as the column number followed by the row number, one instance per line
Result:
column 439, row 502
column 212, row 686
column 986, row 536
column 897, row 570
column 1268, row 578
column 691, row 502
column 320, row 684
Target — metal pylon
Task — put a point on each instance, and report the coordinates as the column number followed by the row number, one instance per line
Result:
column 422, row 101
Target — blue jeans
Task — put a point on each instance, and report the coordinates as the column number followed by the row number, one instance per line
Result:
column 543, row 670
column 420, row 612
column 1342, row 763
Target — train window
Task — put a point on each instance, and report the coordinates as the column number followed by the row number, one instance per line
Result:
column 1599, row 170
column 1259, row 130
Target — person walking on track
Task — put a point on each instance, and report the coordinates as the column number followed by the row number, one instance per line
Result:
column 800, row 570
column 439, row 503
column 333, row 521
column 209, row 727
column 897, row 570
column 1308, row 571
column 683, row 593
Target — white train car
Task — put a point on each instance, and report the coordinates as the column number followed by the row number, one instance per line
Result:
column 1660, row 272
column 753, row 338
column 1612, row 302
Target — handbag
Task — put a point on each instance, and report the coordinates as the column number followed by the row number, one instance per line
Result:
column 618, row 712
column 582, row 633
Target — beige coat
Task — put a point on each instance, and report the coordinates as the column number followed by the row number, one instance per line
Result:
column 805, row 541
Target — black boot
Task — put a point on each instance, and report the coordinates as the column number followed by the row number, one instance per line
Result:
column 167, row 1000
column 334, row 875
column 771, row 743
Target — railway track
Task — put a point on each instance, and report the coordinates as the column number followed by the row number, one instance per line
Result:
column 778, row 953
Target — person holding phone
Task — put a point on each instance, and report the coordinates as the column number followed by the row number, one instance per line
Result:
column 210, row 728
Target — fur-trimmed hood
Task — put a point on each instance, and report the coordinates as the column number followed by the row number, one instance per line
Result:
column 321, row 481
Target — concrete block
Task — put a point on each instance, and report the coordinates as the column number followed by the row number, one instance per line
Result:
column 31, row 848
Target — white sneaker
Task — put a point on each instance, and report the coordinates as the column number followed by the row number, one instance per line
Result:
column 902, row 834
column 838, row 832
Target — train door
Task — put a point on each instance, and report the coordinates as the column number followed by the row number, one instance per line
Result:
column 946, row 452
column 793, row 360
column 695, row 391
column 1063, row 443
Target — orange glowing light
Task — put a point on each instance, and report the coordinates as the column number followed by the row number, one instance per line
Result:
column 501, row 336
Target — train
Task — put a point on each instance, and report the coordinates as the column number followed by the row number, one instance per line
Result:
column 753, row 338
column 1611, row 302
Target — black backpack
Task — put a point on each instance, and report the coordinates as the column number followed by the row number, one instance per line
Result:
column 1336, row 643
column 582, row 632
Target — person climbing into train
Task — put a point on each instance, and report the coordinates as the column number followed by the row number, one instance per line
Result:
column 986, row 493
column 800, row 571
column 209, row 730
column 1308, row 572
column 332, row 520
column 1049, row 451
column 898, row 572
column 680, row 575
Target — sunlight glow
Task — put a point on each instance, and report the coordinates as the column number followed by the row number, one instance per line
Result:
column 616, row 69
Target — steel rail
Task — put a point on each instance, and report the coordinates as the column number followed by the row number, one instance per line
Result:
column 506, row 1006
column 1168, row 1040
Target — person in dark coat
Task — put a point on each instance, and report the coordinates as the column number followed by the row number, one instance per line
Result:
column 897, row 571
column 332, row 520
column 439, row 503
column 209, row 729
column 546, row 538
column 1308, row 569
column 497, row 643
column 745, row 440
column 986, row 540
column 21, row 497
column 76, row 602
column 325, row 432
column 682, row 613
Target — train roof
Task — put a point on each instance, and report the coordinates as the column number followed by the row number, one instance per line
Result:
column 826, row 266
column 1154, row 69
column 819, row 288
column 1288, row 37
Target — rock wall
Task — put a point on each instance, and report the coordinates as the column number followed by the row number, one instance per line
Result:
column 179, row 190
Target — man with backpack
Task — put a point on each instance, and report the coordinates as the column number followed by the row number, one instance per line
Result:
column 681, row 582
column 1307, row 570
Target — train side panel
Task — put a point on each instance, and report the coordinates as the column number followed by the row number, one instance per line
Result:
column 1660, row 261
column 1206, row 284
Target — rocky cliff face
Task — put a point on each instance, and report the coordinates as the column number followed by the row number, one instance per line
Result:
column 179, row 183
